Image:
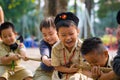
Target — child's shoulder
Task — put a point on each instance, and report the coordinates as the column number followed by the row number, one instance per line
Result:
column 79, row 42
column 2, row 44
column 3, row 47
column 58, row 45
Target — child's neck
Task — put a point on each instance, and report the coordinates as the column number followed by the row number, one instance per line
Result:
column 106, row 61
column 69, row 49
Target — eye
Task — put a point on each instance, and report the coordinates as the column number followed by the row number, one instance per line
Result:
column 4, row 36
column 51, row 34
column 44, row 35
column 71, row 33
column 10, row 35
column 63, row 35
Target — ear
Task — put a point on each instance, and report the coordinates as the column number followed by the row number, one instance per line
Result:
column 106, row 53
column 78, row 31
column 15, row 33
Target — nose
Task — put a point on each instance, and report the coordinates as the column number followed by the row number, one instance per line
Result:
column 8, row 38
column 68, row 37
column 47, row 38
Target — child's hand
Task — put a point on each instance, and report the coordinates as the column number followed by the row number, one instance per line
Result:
column 104, row 76
column 108, row 76
column 73, row 70
column 25, row 58
column 96, row 72
column 74, row 66
column 46, row 60
column 15, row 57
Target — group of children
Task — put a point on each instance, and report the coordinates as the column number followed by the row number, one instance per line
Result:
column 61, row 53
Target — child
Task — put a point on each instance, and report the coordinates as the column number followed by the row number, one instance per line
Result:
column 48, row 29
column 116, row 62
column 11, row 53
column 97, row 55
column 66, row 52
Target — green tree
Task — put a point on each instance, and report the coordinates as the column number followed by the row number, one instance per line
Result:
column 14, row 9
column 106, row 15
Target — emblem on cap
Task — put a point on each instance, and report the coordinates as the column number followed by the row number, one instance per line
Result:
column 63, row 16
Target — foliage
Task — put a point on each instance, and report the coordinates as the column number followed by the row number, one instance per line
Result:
column 106, row 15
column 23, row 14
column 107, row 6
column 14, row 9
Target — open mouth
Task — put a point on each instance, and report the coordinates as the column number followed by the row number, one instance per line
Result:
column 68, row 42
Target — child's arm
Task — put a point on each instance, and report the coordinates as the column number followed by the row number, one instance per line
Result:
column 46, row 60
column 45, row 53
column 66, row 70
column 22, row 52
column 107, row 76
column 23, row 55
column 98, row 74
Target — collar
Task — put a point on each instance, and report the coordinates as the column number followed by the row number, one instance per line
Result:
column 110, row 59
column 60, row 46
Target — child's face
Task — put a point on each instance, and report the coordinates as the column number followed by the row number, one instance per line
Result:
column 50, row 35
column 8, row 36
column 68, row 36
column 96, row 59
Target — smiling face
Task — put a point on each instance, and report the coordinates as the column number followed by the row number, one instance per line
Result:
column 8, row 36
column 96, row 59
column 68, row 36
column 50, row 35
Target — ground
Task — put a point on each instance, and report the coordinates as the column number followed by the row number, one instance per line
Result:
column 32, row 65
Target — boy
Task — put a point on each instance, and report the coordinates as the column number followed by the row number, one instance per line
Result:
column 66, row 53
column 116, row 62
column 11, row 53
column 97, row 56
column 48, row 29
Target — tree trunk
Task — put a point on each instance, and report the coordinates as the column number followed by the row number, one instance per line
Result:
column 61, row 5
column 50, row 8
column 89, row 5
column 53, row 7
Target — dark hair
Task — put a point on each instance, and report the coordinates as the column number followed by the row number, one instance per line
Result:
column 66, row 16
column 47, row 22
column 118, row 17
column 92, row 44
column 65, row 23
column 6, row 25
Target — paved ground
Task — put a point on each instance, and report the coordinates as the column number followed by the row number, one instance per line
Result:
column 34, row 52
column 32, row 65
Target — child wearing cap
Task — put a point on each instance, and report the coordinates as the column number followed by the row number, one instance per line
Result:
column 97, row 56
column 11, row 52
column 50, row 37
column 66, row 53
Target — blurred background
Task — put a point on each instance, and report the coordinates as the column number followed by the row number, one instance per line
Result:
column 97, row 17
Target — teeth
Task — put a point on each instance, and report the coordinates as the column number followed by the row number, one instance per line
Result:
column 68, row 41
